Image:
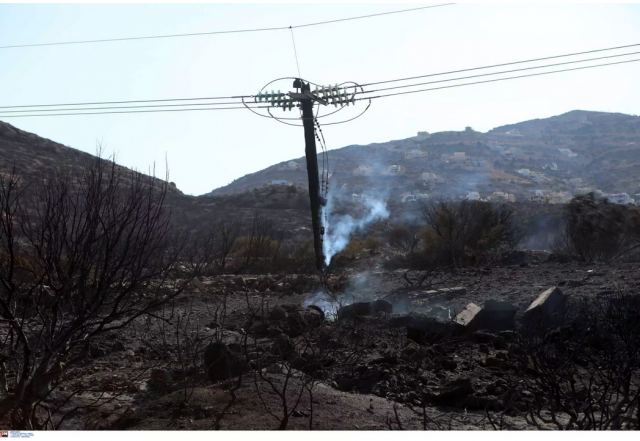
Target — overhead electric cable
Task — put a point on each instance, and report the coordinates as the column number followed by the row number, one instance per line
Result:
column 67, row 109
column 530, row 60
column 493, row 80
column 584, row 60
column 241, row 97
column 132, row 111
column 232, row 31
column 162, row 100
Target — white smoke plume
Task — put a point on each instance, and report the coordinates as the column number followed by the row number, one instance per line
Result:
column 339, row 228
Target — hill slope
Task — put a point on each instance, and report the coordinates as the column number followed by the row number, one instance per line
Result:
column 35, row 158
column 551, row 158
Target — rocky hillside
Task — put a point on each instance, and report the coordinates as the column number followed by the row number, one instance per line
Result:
column 544, row 160
column 34, row 158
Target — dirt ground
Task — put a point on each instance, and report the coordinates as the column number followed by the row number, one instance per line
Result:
column 370, row 374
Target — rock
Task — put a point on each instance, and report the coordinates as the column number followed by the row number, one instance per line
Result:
column 197, row 286
column 546, row 310
column 314, row 316
column 221, row 363
column 296, row 323
column 424, row 329
column 454, row 392
column 282, row 346
column 259, row 329
column 277, row 314
column 381, row 306
column 363, row 309
column 290, row 307
column 354, row 310
column 159, row 380
column 494, row 316
column 467, row 315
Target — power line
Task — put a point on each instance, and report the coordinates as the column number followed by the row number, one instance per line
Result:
column 233, row 31
column 496, row 80
column 132, row 111
column 373, row 15
column 241, row 97
column 188, row 104
column 584, row 60
column 161, row 100
column 502, row 64
column 123, row 107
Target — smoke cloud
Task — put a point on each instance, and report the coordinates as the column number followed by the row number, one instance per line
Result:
column 340, row 227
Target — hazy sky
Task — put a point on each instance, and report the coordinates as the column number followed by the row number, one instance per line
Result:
column 206, row 150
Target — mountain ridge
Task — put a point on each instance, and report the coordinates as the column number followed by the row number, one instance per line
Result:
column 544, row 157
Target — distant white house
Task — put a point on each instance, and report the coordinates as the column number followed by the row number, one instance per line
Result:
column 501, row 196
column 413, row 197
column 473, row 196
column 416, row 154
column 538, row 196
column 290, row 165
column 394, row 170
column 568, row 152
column 363, row 170
column 620, row 198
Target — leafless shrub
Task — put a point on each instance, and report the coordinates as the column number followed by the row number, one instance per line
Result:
column 465, row 233
column 404, row 237
column 596, row 230
column 79, row 256
column 586, row 375
column 226, row 236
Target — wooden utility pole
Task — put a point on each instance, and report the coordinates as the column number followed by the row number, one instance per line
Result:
column 335, row 95
column 306, row 102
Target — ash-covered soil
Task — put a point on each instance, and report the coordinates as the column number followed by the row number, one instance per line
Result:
column 247, row 352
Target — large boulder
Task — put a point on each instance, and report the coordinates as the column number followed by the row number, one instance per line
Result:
column 221, row 363
column 547, row 310
column 494, row 316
